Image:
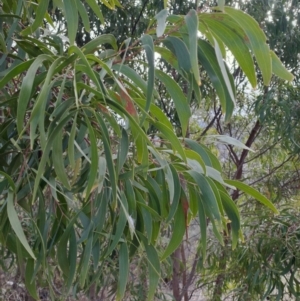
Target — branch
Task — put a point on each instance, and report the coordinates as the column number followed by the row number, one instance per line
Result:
column 254, row 133
column 138, row 19
column 211, row 123
column 273, row 170
column 263, row 152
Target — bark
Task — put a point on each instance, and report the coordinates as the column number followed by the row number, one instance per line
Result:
column 176, row 275
column 217, row 294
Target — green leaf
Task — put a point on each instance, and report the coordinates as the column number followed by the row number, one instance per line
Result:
column 71, row 146
column 94, row 159
column 229, row 140
column 122, row 151
column 170, row 136
column 161, row 18
column 37, row 116
column 278, row 68
column 230, row 102
column 71, row 14
column 167, row 170
column 95, row 7
column 209, row 199
column 15, row 223
column 177, row 191
column 108, row 156
column 191, row 20
column 15, row 72
column 67, row 257
column 94, row 44
column 180, row 50
column 234, row 216
column 39, row 17
column 72, row 258
column 9, row 179
column 257, row 40
column 203, row 225
column 180, row 101
column 253, row 192
column 85, row 261
column 84, row 16
column 177, row 235
column 153, row 268
column 123, row 271
column 26, row 89
column 209, row 61
column 86, row 66
column 149, row 48
column 29, row 281
column 58, row 160
column 119, row 227
column 235, row 43
column 46, row 152
column 195, row 161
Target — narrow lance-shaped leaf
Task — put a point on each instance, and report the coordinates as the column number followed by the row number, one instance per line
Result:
column 94, row 44
column 121, row 223
column 123, row 271
column 15, row 223
column 29, row 282
column 149, row 48
column 153, row 268
column 171, row 137
column 38, row 20
column 26, row 90
column 71, row 146
column 94, row 159
column 230, row 140
column 85, row 261
column 203, row 224
column 253, row 192
column 230, row 102
column 180, row 101
column 135, row 77
column 179, row 227
column 9, row 179
column 84, row 16
column 167, row 170
column 161, row 18
column 278, row 68
column 58, row 160
column 177, row 189
column 24, row 66
column 122, row 151
column 234, row 216
column 233, row 40
column 191, row 20
column 108, row 156
column 209, row 199
column 182, row 53
column 46, row 152
column 38, row 112
column 208, row 59
column 95, row 7
column 72, row 258
column 257, row 40
column 71, row 14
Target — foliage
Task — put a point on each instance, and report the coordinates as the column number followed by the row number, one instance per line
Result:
column 83, row 183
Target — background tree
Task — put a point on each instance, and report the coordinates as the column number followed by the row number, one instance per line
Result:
column 266, row 120
column 88, row 187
